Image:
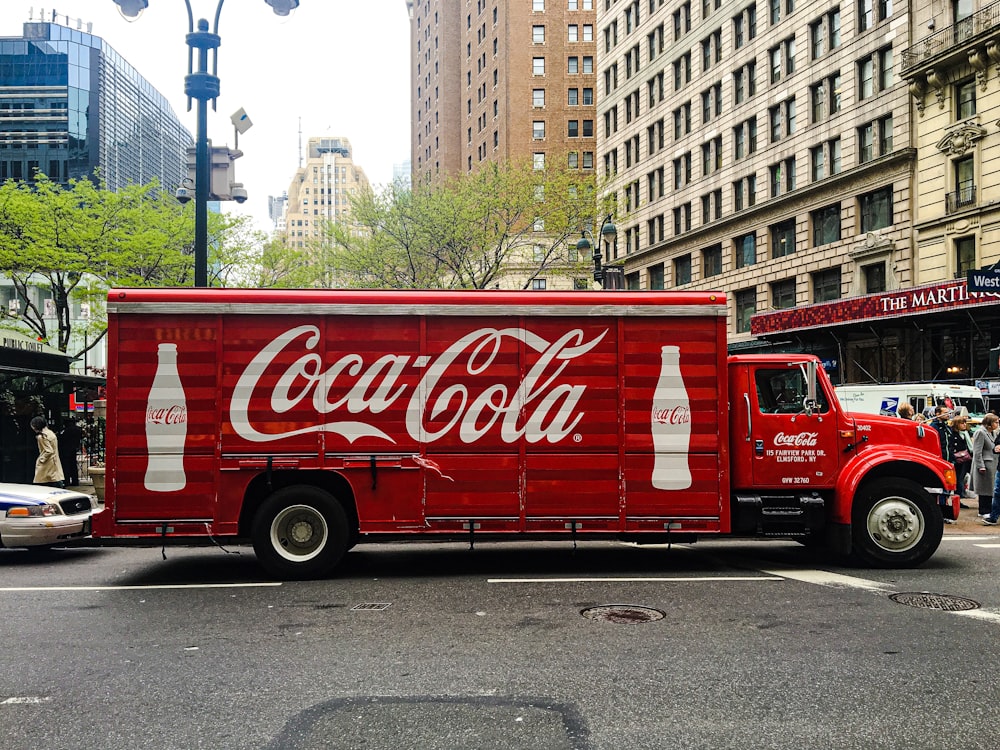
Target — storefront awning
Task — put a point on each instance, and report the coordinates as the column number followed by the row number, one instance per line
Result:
column 9, row 373
column 949, row 296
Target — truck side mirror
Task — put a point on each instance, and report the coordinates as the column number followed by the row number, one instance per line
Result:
column 810, row 404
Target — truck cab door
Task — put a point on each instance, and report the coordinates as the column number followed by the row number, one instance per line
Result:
column 790, row 446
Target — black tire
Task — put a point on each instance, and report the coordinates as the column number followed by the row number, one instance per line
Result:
column 300, row 532
column 895, row 524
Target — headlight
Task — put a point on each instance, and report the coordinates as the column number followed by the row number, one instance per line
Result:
column 31, row 511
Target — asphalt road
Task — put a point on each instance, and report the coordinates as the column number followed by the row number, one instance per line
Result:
column 761, row 645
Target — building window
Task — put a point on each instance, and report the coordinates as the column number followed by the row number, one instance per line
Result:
column 783, row 294
column 538, row 5
column 538, row 97
column 682, row 120
column 538, row 34
column 781, row 59
column 538, row 285
column 871, row 12
column 746, row 306
column 781, row 177
column 783, row 238
column 682, row 71
column 573, row 65
column 745, row 138
column 965, row 99
column 965, row 256
column 655, row 274
column 745, row 26
column 775, row 8
column 965, row 185
column 538, row 161
column 746, row 250
column 825, row 98
column 588, row 97
column 826, row 225
column 588, row 64
column 875, row 73
column 876, row 209
column 682, row 170
column 682, row 270
column 538, row 130
column 711, row 260
column 711, row 50
column 574, row 32
column 711, row 102
column 781, row 119
column 744, row 82
column 538, row 66
column 826, row 285
column 573, row 160
column 824, row 34
column 682, row 218
column 573, row 128
column 745, row 192
column 873, row 277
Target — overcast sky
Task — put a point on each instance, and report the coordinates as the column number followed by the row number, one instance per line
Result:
column 342, row 66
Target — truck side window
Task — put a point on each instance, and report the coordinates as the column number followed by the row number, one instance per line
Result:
column 784, row 392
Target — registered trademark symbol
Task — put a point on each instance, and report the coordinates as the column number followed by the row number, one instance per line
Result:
column 577, row 438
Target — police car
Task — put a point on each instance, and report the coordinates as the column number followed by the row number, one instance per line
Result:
column 37, row 516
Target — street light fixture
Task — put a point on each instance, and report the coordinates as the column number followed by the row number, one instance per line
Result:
column 584, row 246
column 202, row 86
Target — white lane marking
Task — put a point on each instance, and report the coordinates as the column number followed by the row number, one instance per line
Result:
column 979, row 614
column 826, row 578
column 988, row 546
column 26, row 699
column 965, row 538
column 680, row 579
column 142, row 588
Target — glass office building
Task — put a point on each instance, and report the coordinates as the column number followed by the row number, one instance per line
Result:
column 70, row 105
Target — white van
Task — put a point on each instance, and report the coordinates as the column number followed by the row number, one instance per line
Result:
column 885, row 398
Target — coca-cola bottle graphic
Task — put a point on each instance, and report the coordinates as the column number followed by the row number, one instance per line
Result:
column 670, row 424
column 166, row 425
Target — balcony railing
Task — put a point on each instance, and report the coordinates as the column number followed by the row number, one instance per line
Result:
column 961, row 198
column 981, row 21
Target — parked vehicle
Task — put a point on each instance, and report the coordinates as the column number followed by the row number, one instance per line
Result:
column 309, row 421
column 885, row 398
column 33, row 515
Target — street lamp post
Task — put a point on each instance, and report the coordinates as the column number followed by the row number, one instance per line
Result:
column 201, row 85
column 584, row 246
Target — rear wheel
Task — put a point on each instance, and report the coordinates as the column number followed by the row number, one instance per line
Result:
column 300, row 532
column 895, row 524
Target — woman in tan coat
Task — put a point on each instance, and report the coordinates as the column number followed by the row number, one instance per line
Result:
column 48, row 469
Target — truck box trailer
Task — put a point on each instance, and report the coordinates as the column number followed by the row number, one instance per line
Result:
column 308, row 421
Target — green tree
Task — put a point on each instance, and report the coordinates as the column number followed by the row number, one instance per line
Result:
column 504, row 223
column 80, row 239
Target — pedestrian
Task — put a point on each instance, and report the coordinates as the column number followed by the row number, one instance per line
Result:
column 69, row 446
column 984, row 461
column 905, row 410
column 994, row 514
column 961, row 453
column 48, row 470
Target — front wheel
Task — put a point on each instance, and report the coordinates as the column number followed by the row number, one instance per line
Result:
column 895, row 524
column 300, row 532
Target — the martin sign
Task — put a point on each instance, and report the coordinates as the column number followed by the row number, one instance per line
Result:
column 984, row 280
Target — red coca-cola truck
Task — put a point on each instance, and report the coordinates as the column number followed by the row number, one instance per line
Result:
column 309, row 421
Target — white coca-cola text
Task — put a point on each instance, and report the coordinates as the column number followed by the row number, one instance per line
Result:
column 176, row 414
column 679, row 414
column 799, row 440
column 539, row 407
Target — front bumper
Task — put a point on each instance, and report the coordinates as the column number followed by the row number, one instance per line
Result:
column 40, row 532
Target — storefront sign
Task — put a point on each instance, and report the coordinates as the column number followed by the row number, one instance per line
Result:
column 912, row 301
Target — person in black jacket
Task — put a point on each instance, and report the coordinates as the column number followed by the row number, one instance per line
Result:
column 69, row 446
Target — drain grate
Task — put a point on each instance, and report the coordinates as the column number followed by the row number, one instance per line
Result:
column 622, row 614
column 371, row 607
column 926, row 600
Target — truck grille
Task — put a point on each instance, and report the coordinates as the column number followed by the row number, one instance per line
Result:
column 75, row 505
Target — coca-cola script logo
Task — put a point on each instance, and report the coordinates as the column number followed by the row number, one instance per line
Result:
column 673, row 415
column 176, row 414
column 799, row 440
column 539, row 407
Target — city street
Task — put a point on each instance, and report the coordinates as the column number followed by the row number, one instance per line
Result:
column 762, row 645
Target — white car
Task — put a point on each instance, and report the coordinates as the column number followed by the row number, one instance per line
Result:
column 33, row 515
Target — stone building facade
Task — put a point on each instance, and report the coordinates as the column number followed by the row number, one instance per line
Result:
column 776, row 150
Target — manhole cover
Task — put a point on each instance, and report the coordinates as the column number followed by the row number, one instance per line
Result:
column 927, row 600
column 623, row 614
